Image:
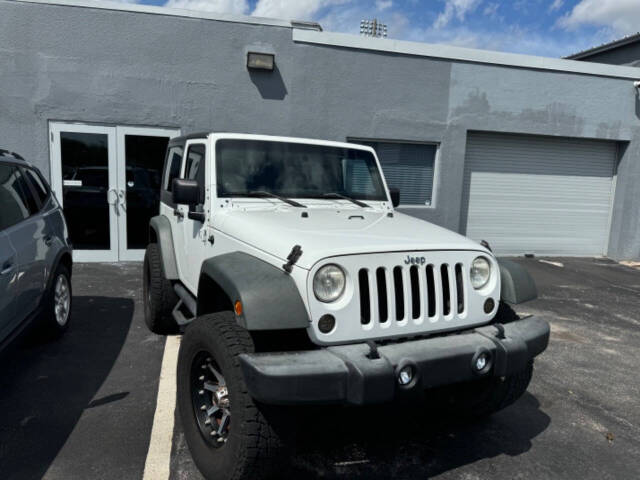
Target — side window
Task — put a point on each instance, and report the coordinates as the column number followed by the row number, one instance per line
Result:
column 16, row 205
column 194, row 167
column 172, row 167
column 38, row 184
column 409, row 167
column 26, row 195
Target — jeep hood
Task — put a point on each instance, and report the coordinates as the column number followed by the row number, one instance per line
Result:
column 332, row 232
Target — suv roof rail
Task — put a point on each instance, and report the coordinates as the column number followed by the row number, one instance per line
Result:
column 13, row 154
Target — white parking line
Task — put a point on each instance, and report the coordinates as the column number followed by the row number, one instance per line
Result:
column 157, row 465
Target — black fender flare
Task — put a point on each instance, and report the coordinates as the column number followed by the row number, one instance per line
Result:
column 517, row 285
column 269, row 296
column 162, row 229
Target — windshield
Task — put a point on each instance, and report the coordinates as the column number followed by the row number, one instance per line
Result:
column 295, row 170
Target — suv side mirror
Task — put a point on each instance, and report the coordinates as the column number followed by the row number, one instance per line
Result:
column 395, row 196
column 185, row 192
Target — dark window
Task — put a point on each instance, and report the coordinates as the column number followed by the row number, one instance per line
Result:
column 296, row 170
column 38, row 184
column 144, row 161
column 84, row 159
column 194, row 166
column 409, row 167
column 174, row 161
column 26, row 195
column 16, row 204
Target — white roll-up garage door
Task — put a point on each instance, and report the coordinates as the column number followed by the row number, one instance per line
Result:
column 541, row 195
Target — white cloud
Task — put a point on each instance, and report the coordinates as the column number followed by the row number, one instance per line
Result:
column 457, row 9
column 289, row 9
column 623, row 16
column 383, row 5
column 556, row 5
column 491, row 9
column 240, row 7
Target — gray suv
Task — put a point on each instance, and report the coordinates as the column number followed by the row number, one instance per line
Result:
column 35, row 255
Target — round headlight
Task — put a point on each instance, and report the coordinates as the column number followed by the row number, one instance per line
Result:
column 480, row 272
column 328, row 283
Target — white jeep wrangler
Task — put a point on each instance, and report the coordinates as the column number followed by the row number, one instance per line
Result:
column 298, row 283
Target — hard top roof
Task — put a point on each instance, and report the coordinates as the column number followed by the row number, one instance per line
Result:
column 180, row 141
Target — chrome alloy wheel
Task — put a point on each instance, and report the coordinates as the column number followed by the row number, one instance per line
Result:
column 61, row 300
column 210, row 397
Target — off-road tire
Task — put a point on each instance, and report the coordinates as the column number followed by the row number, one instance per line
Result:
column 49, row 326
column 158, row 295
column 253, row 447
column 487, row 396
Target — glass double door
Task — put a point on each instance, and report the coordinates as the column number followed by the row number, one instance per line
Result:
column 108, row 182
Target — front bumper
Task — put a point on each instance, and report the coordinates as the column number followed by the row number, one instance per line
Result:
column 347, row 374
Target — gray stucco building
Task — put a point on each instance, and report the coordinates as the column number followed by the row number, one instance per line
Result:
column 625, row 51
column 535, row 155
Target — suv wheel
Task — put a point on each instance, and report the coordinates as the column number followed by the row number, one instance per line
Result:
column 158, row 294
column 56, row 313
column 228, row 434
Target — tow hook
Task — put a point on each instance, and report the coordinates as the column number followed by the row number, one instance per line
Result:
column 373, row 350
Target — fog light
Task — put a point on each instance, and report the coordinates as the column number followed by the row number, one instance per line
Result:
column 326, row 323
column 405, row 375
column 488, row 305
column 481, row 361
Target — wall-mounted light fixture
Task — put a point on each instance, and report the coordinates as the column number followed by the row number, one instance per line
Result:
column 261, row 61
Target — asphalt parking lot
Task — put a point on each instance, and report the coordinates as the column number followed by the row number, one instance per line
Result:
column 83, row 406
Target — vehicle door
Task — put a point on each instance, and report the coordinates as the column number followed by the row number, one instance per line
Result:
column 26, row 235
column 195, row 237
column 168, row 208
column 8, row 276
column 52, row 229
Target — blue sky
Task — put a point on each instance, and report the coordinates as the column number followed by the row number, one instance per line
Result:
column 539, row 27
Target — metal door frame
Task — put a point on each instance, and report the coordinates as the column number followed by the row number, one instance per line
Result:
column 117, row 183
column 55, row 129
column 126, row 254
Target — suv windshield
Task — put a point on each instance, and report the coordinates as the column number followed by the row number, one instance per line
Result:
column 296, row 170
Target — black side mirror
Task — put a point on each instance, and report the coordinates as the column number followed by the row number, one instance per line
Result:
column 395, row 196
column 185, row 192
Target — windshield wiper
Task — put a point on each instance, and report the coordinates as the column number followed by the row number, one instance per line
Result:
column 262, row 194
column 344, row 197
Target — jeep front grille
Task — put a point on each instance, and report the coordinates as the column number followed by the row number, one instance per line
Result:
column 400, row 294
column 406, row 293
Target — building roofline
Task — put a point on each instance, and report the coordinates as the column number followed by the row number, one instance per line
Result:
column 177, row 12
column 605, row 47
column 447, row 52
column 311, row 32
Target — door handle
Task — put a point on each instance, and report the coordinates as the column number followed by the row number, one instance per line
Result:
column 123, row 199
column 48, row 240
column 7, row 268
column 115, row 192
